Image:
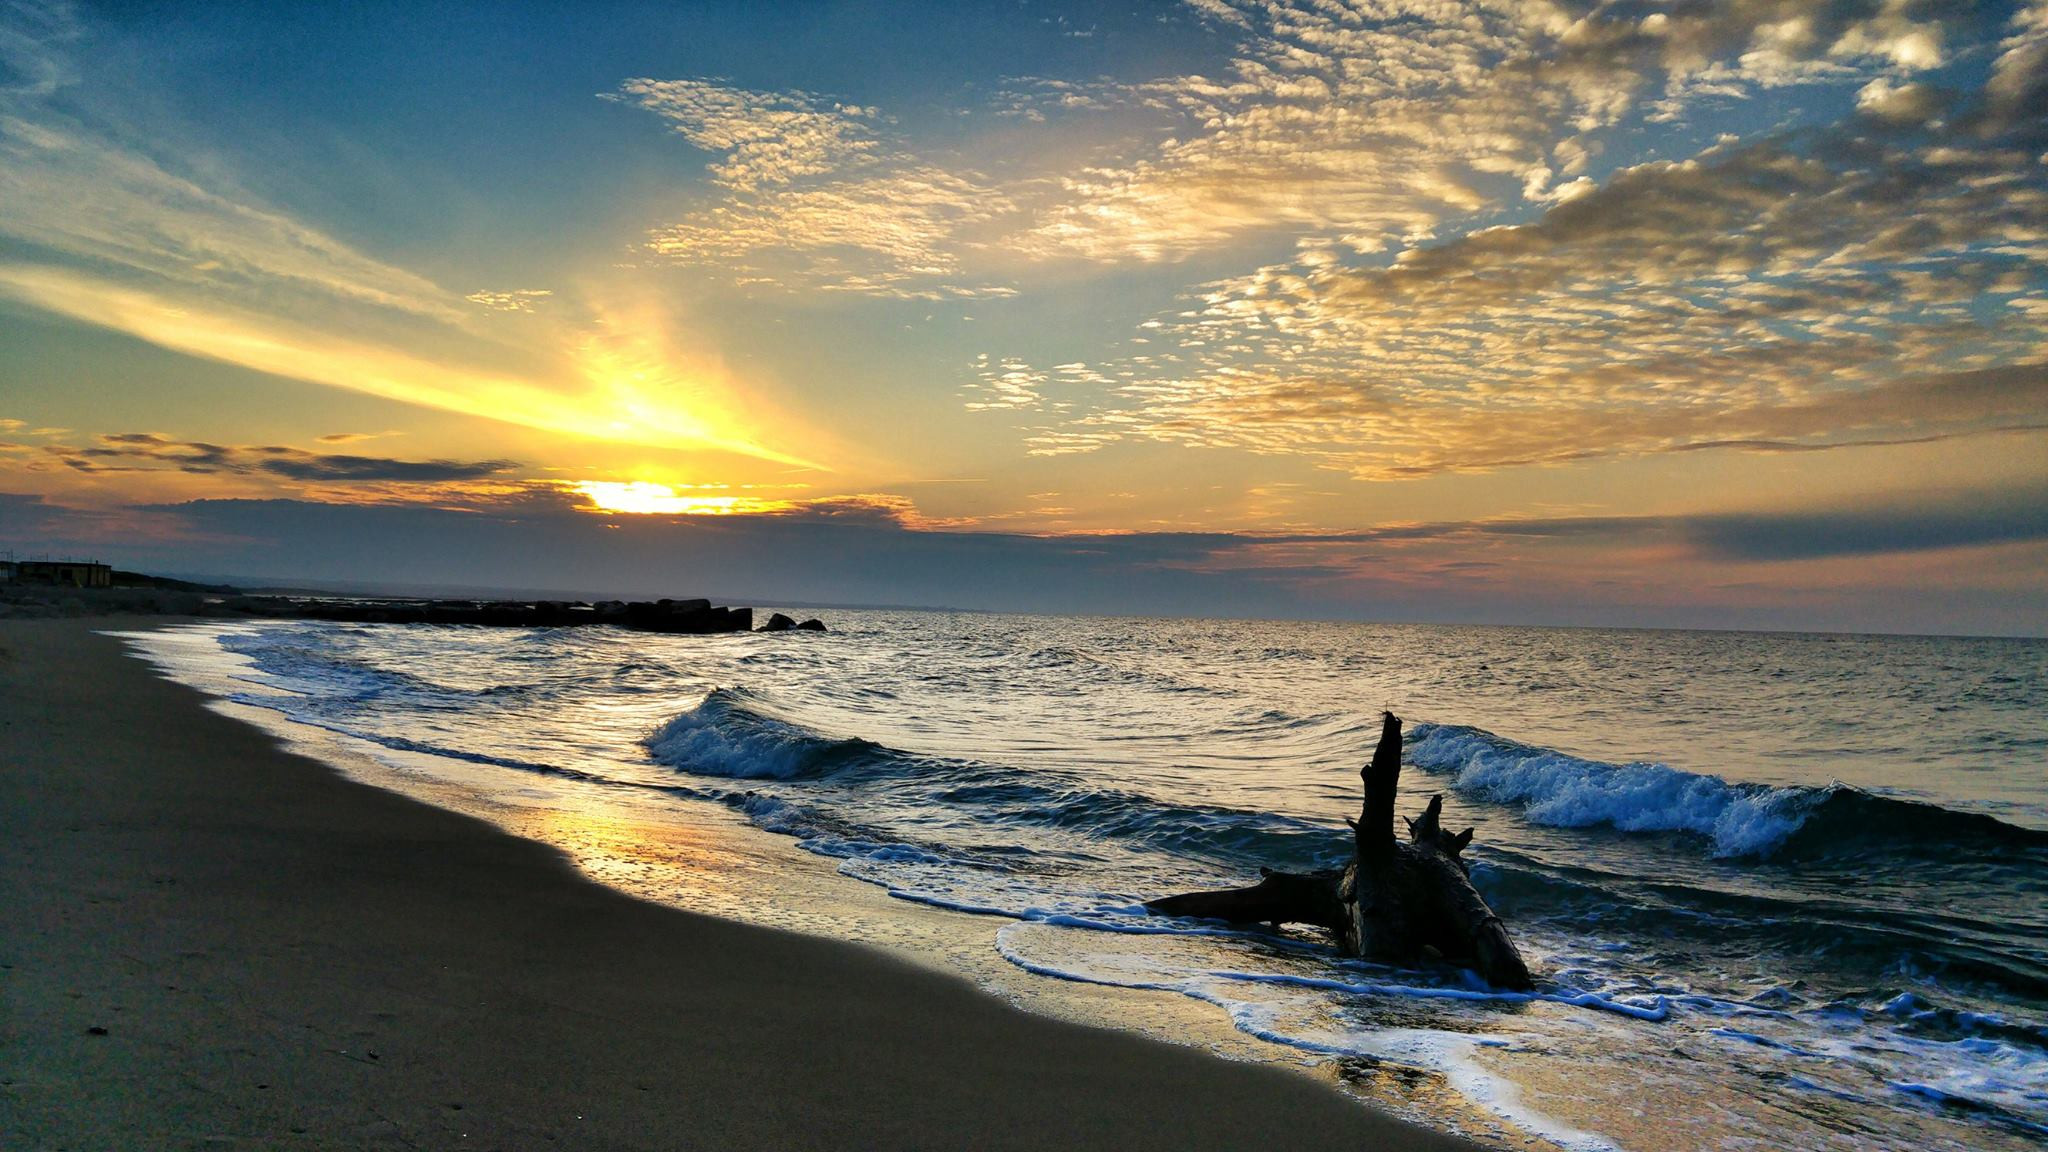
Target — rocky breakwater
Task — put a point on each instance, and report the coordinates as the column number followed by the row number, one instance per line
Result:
column 688, row 616
column 694, row 617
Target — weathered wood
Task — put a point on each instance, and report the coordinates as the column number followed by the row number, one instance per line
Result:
column 1278, row 898
column 1395, row 901
column 1373, row 834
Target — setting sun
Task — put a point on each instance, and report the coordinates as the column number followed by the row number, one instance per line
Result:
column 642, row 497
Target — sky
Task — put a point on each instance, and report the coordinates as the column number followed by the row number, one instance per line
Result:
column 1705, row 313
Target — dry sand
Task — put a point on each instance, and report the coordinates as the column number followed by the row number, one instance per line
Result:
column 279, row 957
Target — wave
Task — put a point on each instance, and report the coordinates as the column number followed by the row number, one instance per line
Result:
column 736, row 734
column 1902, row 981
column 1561, row 790
column 995, row 839
column 329, row 677
column 304, row 668
column 1557, row 789
column 731, row 734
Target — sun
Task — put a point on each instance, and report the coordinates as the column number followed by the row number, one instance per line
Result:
column 646, row 498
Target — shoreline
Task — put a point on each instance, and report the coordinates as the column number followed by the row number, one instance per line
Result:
column 278, row 954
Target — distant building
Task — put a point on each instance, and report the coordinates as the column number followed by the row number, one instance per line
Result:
column 57, row 573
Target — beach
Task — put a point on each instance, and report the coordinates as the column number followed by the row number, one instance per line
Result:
column 211, row 942
column 1210, row 574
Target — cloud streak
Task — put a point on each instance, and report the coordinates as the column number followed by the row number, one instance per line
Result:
column 150, row 452
column 639, row 405
column 114, row 224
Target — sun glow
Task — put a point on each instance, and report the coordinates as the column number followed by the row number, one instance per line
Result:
column 636, row 386
column 645, row 498
column 640, row 378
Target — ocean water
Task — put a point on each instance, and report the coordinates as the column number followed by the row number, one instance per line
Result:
column 1779, row 890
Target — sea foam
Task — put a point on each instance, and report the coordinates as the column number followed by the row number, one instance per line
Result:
column 1567, row 792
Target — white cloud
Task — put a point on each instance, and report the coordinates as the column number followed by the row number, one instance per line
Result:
column 1382, row 120
column 1789, row 292
column 1005, row 383
column 765, row 138
column 515, row 300
column 1371, row 125
column 810, row 197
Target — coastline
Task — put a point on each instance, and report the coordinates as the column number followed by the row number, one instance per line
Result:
column 278, row 954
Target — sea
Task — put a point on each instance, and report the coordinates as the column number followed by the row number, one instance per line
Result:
column 1779, row 890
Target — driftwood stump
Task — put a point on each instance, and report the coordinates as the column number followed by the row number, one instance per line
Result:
column 1396, row 900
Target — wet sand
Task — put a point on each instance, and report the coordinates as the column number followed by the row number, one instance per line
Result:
column 208, row 942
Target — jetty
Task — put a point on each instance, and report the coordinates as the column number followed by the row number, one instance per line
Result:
column 691, row 617
column 44, row 588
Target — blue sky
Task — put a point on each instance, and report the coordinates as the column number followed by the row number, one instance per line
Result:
column 1515, row 309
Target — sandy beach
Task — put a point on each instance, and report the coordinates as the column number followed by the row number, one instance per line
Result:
column 212, row 943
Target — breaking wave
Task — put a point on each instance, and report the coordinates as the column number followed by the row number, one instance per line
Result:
column 1556, row 789
column 731, row 734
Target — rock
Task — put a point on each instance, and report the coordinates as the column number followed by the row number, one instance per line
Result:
column 778, row 623
column 812, row 625
column 690, row 617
